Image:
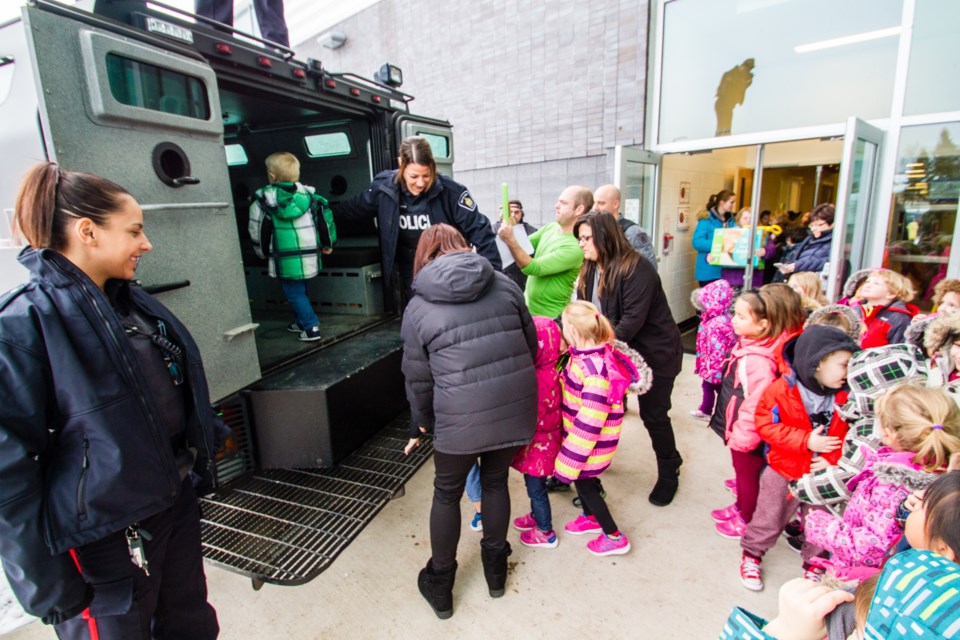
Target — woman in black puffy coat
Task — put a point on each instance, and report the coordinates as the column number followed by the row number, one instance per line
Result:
column 468, row 348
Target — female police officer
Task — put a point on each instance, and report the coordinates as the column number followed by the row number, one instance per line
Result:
column 408, row 200
column 105, row 420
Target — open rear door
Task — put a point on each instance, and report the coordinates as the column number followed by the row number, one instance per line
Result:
column 437, row 132
column 148, row 117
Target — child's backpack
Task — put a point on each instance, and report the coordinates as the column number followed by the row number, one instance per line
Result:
column 731, row 391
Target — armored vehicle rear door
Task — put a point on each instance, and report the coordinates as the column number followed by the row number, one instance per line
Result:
column 145, row 113
column 437, row 132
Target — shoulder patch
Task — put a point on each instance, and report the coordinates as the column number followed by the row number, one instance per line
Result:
column 466, row 201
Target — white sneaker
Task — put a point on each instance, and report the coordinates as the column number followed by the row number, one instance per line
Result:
column 750, row 573
column 700, row 415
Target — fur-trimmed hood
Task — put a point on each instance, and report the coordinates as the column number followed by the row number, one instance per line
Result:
column 897, row 468
column 915, row 331
column 855, row 280
column 941, row 332
column 644, row 373
column 856, row 325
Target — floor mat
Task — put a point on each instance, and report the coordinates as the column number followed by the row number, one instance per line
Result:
column 286, row 526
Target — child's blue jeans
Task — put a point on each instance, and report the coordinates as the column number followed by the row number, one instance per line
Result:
column 296, row 292
column 539, row 502
column 473, row 483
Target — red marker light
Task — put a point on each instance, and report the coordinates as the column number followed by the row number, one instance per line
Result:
column 264, row 61
column 331, row 83
column 376, row 99
column 299, row 73
column 354, row 92
column 223, row 49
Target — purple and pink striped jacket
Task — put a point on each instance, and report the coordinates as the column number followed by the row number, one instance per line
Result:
column 593, row 385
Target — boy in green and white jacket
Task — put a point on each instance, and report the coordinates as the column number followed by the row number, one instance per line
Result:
column 291, row 226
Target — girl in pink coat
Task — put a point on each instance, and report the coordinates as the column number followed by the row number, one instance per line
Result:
column 536, row 459
column 715, row 340
column 920, row 428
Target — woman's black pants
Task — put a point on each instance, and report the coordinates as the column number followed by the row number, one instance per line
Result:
column 448, row 485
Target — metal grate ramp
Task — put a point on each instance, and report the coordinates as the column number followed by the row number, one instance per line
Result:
column 286, row 526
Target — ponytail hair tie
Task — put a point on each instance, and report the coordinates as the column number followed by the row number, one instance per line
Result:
column 937, row 427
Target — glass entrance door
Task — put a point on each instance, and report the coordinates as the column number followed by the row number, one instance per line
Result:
column 637, row 175
column 856, row 194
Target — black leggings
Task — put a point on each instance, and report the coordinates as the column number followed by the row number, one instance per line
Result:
column 593, row 505
column 448, row 485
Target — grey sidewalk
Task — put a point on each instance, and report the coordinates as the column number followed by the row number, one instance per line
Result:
column 679, row 581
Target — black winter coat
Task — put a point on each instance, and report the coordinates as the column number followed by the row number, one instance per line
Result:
column 83, row 453
column 637, row 308
column 449, row 202
column 468, row 349
column 813, row 253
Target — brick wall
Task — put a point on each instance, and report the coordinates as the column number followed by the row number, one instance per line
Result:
column 538, row 92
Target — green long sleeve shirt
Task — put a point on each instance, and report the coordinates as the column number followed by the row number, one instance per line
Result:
column 552, row 272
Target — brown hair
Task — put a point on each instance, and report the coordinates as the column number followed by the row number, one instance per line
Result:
column 779, row 305
column 944, row 287
column 615, row 255
column 941, row 507
column 811, row 291
column 910, row 412
column 583, row 197
column 717, row 198
column 49, row 197
column 824, row 212
column 584, row 318
column 416, row 150
column 436, row 241
column 283, row 166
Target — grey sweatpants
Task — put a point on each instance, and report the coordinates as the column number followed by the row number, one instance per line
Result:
column 776, row 506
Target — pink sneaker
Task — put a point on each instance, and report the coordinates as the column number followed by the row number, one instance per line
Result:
column 606, row 546
column 731, row 486
column 536, row 538
column 732, row 528
column 722, row 515
column 525, row 523
column 583, row 524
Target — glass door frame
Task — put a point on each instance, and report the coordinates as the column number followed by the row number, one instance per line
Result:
column 622, row 155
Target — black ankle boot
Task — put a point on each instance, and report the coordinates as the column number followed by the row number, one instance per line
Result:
column 668, row 473
column 437, row 589
column 495, row 568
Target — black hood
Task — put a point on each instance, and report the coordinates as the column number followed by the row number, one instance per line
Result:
column 805, row 352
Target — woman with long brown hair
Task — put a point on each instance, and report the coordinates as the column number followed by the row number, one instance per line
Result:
column 628, row 292
column 468, row 349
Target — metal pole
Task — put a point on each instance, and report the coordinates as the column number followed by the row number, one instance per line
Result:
column 754, row 217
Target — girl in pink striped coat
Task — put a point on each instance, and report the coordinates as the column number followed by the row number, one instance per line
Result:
column 594, row 382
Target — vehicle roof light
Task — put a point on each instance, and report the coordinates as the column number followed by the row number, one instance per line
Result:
column 264, row 61
column 223, row 48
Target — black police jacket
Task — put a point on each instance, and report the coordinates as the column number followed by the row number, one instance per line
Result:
column 82, row 451
column 449, row 202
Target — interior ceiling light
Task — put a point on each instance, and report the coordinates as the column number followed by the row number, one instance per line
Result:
column 845, row 40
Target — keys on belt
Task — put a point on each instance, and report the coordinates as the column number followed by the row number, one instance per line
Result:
column 135, row 537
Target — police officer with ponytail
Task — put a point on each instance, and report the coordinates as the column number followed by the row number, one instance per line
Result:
column 408, row 200
column 106, row 429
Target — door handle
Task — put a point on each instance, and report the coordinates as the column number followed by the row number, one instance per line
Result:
column 179, row 182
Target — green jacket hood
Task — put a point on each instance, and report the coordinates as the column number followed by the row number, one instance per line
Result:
column 293, row 200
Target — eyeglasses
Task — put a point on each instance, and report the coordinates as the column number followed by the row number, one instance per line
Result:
column 584, row 239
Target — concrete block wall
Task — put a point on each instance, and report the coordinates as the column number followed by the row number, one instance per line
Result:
column 538, row 93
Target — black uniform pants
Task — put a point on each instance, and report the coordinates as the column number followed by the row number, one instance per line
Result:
column 448, row 485
column 273, row 26
column 170, row 603
column 654, row 405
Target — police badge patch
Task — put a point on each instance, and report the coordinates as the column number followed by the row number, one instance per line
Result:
column 466, row 201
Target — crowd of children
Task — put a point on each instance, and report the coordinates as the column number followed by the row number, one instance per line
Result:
column 840, row 419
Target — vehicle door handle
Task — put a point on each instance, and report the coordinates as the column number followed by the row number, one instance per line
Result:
column 179, row 182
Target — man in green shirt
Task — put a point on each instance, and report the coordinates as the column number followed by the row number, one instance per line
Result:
column 556, row 261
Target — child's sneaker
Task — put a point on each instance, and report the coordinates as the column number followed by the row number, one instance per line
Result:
column 813, row 574
column 732, row 528
column 750, row 573
column 525, row 523
column 700, row 415
column 477, row 523
column 731, row 486
column 310, row 335
column 536, row 538
column 293, row 327
column 555, row 485
column 583, row 524
column 604, row 545
column 794, row 528
column 722, row 515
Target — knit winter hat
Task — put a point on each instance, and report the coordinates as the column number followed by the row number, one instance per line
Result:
column 813, row 345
